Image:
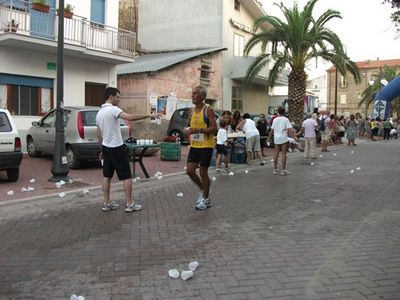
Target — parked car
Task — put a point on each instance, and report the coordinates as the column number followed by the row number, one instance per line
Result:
column 10, row 146
column 179, row 121
column 81, row 140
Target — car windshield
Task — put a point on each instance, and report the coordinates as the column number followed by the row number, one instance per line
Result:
column 5, row 125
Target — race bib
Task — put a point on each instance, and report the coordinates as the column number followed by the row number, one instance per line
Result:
column 198, row 137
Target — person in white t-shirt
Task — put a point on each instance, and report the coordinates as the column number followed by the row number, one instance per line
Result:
column 308, row 128
column 222, row 146
column 113, row 150
column 280, row 130
column 252, row 138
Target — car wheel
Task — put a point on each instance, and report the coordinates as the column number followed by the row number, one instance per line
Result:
column 177, row 133
column 30, row 146
column 13, row 174
column 72, row 160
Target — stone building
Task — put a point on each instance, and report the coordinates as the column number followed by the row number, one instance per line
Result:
column 348, row 93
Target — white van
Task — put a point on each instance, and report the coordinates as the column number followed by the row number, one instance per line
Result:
column 10, row 146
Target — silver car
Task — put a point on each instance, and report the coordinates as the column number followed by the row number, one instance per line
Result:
column 80, row 134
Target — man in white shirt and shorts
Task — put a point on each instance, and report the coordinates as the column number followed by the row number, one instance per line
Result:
column 114, row 152
column 280, row 128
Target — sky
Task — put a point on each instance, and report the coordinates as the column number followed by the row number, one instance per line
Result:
column 366, row 29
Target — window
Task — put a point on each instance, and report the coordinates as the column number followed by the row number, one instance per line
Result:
column 29, row 100
column 49, row 120
column 3, row 95
column 205, row 71
column 97, row 8
column 26, row 95
column 343, row 82
column 237, row 5
column 238, row 44
column 5, row 125
column 24, row 100
column 237, row 98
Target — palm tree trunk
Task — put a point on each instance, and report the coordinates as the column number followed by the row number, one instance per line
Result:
column 296, row 94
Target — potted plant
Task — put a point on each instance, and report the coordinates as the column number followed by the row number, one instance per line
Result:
column 68, row 11
column 11, row 26
column 41, row 5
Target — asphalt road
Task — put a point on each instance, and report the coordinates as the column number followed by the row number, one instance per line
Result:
column 330, row 230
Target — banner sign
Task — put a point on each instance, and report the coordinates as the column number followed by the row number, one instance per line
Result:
column 380, row 109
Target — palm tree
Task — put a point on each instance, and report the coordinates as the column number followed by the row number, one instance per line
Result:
column 295, row 42
column 368, row 95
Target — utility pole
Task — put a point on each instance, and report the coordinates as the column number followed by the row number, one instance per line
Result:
column 59, row 168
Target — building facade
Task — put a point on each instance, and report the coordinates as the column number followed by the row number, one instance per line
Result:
column 163, row 82
column 184, row 25
column 93, row 46
column 346, row 93
column 317, row 87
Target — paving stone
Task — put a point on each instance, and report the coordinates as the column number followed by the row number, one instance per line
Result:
column 264, row 238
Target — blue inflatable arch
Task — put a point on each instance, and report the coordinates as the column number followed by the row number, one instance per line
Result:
column 387, row 94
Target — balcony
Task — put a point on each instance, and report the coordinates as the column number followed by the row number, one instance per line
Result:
column 23, row 27
column 240, row 65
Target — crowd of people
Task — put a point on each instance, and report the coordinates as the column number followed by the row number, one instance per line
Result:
column 208, row 133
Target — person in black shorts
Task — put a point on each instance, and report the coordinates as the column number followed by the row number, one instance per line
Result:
column 114, row 152
column 222, row 146
column 202, row 127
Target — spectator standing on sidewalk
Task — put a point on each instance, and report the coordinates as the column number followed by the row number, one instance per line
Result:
column 387, row 126
column 351, row 128
column 262, row 127
column 325, row 130
column 202, row 127
column 361, row 127
column 235, row 120
column 113, row 151
column 252, row 138
column 308, row 127
column 227, row 116
column 222, row 146
column 367, row 125
column 279, row 130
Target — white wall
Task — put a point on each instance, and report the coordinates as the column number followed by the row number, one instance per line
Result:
column 179, row 24
column 245, row 18
column 76, row 73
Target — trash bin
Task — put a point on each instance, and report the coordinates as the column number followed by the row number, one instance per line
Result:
column 238, row 155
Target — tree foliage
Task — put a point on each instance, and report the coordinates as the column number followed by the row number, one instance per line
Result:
column 296, row 40
column 395, row 16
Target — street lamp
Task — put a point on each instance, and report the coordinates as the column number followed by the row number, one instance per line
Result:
column 59, row 168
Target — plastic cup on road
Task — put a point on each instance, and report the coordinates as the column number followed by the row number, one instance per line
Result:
column 174, row 273
column 185, row 275
column 193, row 265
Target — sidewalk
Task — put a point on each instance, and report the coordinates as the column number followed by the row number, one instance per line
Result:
column 88, row 177
column 323, row 232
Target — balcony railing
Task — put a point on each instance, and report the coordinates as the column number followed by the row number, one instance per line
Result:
column 17, row 16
